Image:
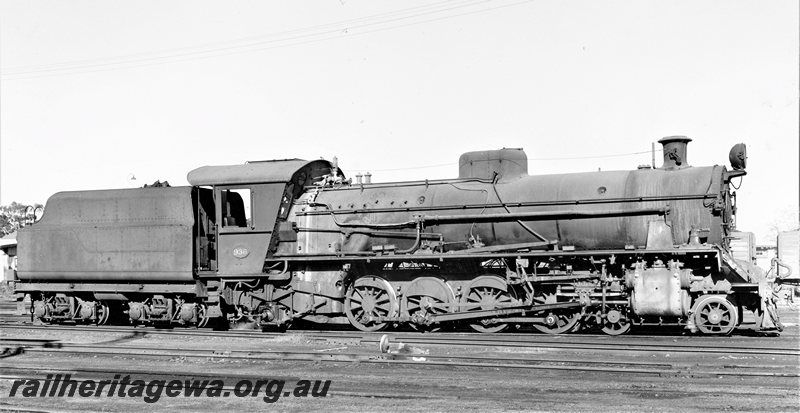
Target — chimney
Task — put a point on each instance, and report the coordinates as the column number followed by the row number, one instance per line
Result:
column 675, row 152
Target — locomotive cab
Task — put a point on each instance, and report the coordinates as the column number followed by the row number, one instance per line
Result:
column 248, row 204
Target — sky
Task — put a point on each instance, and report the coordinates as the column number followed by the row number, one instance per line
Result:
column 93, row 93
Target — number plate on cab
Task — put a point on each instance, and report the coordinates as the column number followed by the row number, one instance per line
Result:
column 240, row 252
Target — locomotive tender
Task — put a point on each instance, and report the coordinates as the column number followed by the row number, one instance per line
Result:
column 276, row 242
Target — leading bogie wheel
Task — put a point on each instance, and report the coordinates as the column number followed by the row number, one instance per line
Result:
column 616, row 322
column 557, row 321
column 714, row 314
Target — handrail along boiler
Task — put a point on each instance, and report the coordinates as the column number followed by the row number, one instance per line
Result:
column 277, row 242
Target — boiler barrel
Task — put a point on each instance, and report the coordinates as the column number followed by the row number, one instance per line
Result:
column 689, row 194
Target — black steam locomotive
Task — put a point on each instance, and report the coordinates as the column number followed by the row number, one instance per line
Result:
column 277, row 242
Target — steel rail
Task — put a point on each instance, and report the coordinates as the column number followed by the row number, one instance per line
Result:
column 639, row 347
column 647, row 368
column 349, row 358
column 312, row 334
column 455, row 339
column 317, row 355
column 101, row 373
column 12, row 322
column 105, row 373
column 311, row 354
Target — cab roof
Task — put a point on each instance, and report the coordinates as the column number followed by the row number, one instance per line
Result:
column 257, row 172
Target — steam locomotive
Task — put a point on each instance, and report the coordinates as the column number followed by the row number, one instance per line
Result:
column 284, row 241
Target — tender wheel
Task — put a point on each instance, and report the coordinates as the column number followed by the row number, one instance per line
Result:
column 367, row 298
column 715, row 315
column 202, row 318
column 426, row 295
column 488, row 292
column 555, row 321
column 102, row 312
column 616, row 322
column 39, row 311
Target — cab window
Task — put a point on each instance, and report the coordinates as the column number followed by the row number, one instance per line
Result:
column 236, row 208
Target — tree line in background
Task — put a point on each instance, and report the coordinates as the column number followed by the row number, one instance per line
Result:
column 12, row 217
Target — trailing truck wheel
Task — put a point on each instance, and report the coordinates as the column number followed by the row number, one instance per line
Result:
column 715, row 315
column 367, row 298
column 488, row 292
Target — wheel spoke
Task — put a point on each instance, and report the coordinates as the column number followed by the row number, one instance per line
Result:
column 487, row 292
column 378, row 297
column 715, row 308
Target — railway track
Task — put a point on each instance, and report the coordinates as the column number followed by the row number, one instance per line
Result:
column 568, row 363
column 208, row 332
column 632, row 367
column 567, row 342
column 342, row 390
